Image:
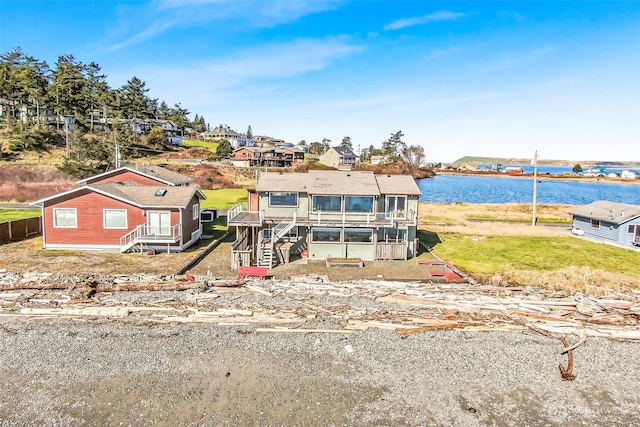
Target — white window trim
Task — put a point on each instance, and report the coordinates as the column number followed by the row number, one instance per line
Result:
column 313, row 210
column 344, row 236
column 75, row 210
column 104, row 219
column 196, row 211
column 284, row 206
column 321, row 242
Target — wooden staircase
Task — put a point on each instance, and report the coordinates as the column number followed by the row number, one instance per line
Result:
column 268, row 256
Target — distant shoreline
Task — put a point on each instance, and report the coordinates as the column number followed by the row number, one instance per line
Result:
column 540, row 176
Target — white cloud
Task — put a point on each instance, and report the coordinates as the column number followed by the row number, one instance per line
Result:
column 424, row 19
column 257, row 69
column 162, row 15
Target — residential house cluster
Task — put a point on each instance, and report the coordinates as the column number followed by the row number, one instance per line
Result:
column 132, row 208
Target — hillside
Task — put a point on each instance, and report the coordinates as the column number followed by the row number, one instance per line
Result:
column 541, row 162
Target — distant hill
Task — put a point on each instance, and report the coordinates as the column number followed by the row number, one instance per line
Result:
column 542, row 162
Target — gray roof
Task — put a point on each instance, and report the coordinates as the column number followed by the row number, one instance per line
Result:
column 349, row 183
column 604, row 210
column 332, row 182
column 398, row 184
column 156, row 172
column 345, row 151
column 145, row 195
column 282, row 182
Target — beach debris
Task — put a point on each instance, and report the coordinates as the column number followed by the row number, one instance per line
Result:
column 405, row 307
column 567, row 373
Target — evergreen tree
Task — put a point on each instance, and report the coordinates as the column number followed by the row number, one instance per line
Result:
column 224, row 149
column 134, row 102
column 68, row 88
column 346, row 143
column 394, row 144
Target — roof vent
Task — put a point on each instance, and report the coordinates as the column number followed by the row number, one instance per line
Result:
column 161, row 192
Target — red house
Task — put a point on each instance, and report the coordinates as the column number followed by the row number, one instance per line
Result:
column 109, row 214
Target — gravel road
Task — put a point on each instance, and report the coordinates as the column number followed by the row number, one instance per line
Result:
column 132, row 372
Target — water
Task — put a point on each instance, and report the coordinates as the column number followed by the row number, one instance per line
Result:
column 484, row 189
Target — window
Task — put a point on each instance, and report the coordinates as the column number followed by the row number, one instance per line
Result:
column 595, row 223
column 115, row 218
column 358, row 235
column 358, row 203
column 196, row 211
column 634, row 229
column 283, row 199
column 65, row 218
column 326, row 203
column 396, row 204
column 325, row 235
column 392, row 235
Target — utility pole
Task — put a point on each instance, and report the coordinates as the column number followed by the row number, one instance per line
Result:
column 535, row 187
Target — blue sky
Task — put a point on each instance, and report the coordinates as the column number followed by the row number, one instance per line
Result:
column 460, row 78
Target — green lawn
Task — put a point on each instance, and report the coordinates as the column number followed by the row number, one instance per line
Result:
column 212, row 146
column 7, row 215
column 216, row 228
column 492, row 254
column 224, row 198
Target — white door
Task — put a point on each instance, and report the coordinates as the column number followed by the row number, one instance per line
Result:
column 159, row 223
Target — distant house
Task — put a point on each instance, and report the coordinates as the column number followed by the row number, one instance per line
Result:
column 608, row 221
column 629, row 174
column 326, row 214
column 338, row 157
column 172, row 131
column 142, row 174
column 126, row 209
column 376, row 160
column 514, row 170
column 267, row 157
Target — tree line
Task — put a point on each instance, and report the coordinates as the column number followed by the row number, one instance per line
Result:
column 36, row 97
column 72, row 88
column 392, row 150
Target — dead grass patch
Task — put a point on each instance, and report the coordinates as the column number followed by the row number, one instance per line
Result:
column 570, row 279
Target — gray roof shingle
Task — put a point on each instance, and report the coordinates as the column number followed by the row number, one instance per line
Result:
column 145, row 195
column 331, row 182
column 604, row 210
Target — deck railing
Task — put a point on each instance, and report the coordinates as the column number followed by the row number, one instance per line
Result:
column 151, row 234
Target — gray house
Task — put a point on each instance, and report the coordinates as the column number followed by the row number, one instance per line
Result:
column 608, row 221
column 326, row 214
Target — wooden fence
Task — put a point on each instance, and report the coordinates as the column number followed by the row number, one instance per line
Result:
column 13, row 231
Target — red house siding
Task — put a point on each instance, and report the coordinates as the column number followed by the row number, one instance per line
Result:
column 189, row 225
column 244, row 154
column 127, row 176
column 90, row 216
